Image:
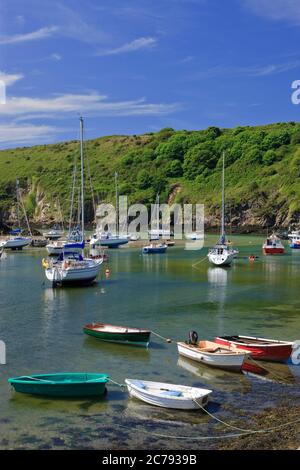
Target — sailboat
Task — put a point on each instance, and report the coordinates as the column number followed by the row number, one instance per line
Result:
column 73, row 240
column 222, row 254
column 71, row 267
column 155, row 247
column 16, row 241
column 108, row 239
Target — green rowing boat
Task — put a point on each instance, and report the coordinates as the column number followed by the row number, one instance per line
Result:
column 61, row 385
column 118, row 334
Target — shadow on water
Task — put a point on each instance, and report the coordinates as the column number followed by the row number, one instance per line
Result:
column 125, row 350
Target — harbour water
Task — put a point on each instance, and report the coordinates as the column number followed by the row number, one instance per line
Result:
column 42, row 329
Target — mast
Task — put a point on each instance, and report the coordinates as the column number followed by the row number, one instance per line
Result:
column 117, row 204
column 223, row 202
column 18, row 203
column 157, row 200
column 82, row 177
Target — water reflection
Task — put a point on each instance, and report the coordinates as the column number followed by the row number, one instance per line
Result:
column 216, row 378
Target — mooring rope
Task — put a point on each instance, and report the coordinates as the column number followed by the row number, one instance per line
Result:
column 198, row 262
column 168, row 340
column 243, row 432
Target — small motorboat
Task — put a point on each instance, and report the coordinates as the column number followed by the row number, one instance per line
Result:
column 61, row 385
column 168, row 395
column 154, row 248
column 273, row 246
column 118, row 334
column 213, row 354
column 259, row 348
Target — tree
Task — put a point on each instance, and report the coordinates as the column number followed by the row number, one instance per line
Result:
column 174, row 168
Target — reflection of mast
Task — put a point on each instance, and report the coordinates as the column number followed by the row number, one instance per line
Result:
column 217, row 278
column 117, row 203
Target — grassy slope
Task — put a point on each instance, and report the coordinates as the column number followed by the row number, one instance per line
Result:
column 262, row 174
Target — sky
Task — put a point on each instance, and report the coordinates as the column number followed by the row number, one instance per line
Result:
column 136, row 66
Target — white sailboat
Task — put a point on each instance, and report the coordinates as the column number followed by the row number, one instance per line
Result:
column 71, row 267
column 155, row 247
column 16, row 241
column 222, row 254
column 108, row 239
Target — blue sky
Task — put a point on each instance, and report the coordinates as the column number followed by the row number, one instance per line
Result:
column 134, row 66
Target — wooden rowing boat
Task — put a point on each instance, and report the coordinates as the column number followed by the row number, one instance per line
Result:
column 61, row 385
column 259, row 348
column 118, row 334
column 168, row 395
column 213, row 354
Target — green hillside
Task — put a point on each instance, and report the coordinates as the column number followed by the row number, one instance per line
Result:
column 262, row 172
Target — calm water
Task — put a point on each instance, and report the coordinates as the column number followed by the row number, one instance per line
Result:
column 42, row 328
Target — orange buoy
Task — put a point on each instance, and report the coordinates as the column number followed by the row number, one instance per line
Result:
column 107, row 272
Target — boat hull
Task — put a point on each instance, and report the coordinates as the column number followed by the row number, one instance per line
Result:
column 154, row 250
column 232, row 362
column 274, row 351
column 197, row 396
column 295, row 246
column 83, row 276
column 109, row 242
column 141, row 339
column 61, row 385
column 17, row 244
column 273, row 251
column 221, row 259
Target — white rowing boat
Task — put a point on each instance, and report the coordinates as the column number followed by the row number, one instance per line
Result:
column 213, row 354
column 168, row 395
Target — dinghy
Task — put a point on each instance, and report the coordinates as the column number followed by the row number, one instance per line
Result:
column 259, row 348
column 118, row 334
column 213, row 354
column 168, row 395
column 61, row 385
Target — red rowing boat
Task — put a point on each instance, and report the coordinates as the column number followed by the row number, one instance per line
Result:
column 259, row 348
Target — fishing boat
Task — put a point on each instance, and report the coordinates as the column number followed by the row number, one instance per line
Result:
column 212, row 354
column 294, row 238
column 168, row 395
column 71, row 267
column 273, row 246
column 222, row 254
column 259, row 348
column 154, row 248
column 118, row 334
column 53, row 234
column 61, row 385
column 106, row 238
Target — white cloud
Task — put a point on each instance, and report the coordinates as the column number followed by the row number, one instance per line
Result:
column 10, row 78
column 33, row 36
column 247, row 71
column 137, row 44
column 25, row 134
column 56, row 56
column 58, row 106
column 286, row 10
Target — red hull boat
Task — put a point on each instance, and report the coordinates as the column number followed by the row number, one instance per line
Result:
column 273, row 246
column 259, row 348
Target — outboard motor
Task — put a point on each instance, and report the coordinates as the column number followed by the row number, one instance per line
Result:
column 193, row 338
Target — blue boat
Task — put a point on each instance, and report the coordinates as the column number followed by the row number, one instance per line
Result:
column 154, row 249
